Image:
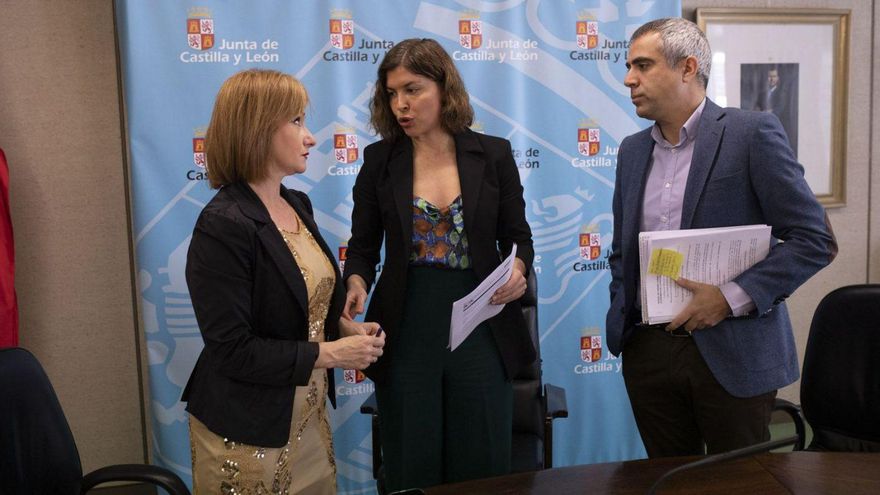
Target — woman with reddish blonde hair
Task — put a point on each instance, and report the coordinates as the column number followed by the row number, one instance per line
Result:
column 268, row 298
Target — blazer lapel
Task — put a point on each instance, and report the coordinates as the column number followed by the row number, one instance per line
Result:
column 271, row 238
column 280, row 254
column 470, row 176
column 468, row 154
column 400, row 169
column 633, row 202
column 705, row 150
column 640, row 173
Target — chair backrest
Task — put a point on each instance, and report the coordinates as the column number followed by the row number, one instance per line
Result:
column 38, row 453
column 840, row 386
column 528, row 413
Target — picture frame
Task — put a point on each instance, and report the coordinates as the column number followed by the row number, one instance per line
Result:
column 793, row 63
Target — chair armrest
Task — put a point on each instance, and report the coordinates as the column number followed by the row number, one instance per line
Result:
column 797, row 417
column 370, row 406
column 557, row 405
column 143, row 473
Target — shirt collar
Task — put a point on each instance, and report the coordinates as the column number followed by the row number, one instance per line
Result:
column 688, row 130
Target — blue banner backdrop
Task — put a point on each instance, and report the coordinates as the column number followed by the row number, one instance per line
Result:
column 545, row 75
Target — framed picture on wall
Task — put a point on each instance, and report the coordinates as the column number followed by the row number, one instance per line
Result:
column 792, row 63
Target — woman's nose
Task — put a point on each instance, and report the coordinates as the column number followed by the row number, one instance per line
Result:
column 401, row 102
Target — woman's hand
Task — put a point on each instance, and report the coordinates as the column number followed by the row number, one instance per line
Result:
column 349, row 327
column 354, row 352
column 515, row 287
column 355, row 297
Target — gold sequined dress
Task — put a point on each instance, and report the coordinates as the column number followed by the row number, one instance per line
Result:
column 306, row 465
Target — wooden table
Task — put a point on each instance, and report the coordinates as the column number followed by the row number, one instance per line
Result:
column 784, row 473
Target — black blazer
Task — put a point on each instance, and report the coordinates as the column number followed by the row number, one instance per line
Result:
column 251, row 304
column 494, row 219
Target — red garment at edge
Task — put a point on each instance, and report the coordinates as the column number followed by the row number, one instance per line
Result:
column 8, row 305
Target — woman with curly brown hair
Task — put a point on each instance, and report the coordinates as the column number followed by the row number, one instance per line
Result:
column 449, row 205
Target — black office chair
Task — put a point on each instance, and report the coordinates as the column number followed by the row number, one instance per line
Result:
column 39, row 454
column 840, row 383
column 534, row 406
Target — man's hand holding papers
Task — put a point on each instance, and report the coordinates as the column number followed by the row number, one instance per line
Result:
column 706, row 309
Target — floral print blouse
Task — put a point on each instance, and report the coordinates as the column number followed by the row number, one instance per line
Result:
column 438, row 236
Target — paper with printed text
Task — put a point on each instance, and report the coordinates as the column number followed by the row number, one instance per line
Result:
column 711, row 256
column 475, row 308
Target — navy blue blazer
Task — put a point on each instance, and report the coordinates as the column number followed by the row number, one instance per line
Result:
column 252, row 307
column 742, row 172
column 494, row 219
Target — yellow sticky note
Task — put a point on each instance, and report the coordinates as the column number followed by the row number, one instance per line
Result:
column 665, row 262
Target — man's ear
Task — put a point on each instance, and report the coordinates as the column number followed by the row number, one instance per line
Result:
column 690, row 69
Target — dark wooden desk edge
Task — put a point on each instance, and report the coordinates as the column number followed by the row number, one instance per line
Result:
column 794, row 472
column 626, row 477
column 846, row 473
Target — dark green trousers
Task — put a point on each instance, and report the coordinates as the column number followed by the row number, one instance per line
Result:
column 445, row 416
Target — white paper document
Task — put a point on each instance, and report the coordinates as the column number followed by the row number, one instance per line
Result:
column 710, row 256
column 474, row 308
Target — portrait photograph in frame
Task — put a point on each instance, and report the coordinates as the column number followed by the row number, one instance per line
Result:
column 792, row 63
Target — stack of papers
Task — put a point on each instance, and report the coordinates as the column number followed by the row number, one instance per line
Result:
column 711, row 256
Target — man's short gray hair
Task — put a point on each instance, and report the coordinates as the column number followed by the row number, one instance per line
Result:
column 680, row 39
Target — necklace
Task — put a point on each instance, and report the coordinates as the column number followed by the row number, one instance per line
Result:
column 287, row 211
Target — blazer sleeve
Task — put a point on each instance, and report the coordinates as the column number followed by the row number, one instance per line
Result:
column 219, row 273
column 791, row 209
column 615, row 260
column 512, row 226
column 367, row 231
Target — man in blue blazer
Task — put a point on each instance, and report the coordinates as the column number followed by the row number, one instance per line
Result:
column 708, row 378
